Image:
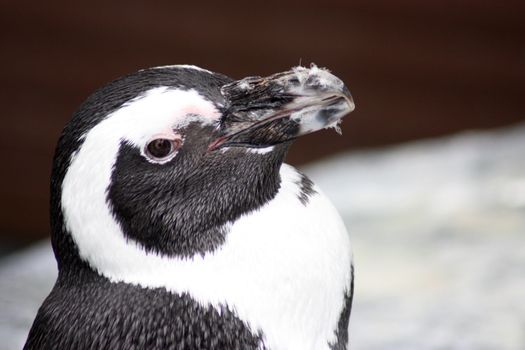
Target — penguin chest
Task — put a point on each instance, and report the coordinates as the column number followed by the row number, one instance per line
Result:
column 292, row 268
column 284, row 269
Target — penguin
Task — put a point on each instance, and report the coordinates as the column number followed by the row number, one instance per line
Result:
column 176, row 224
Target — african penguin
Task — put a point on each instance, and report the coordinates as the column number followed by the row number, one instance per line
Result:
column 176, row 224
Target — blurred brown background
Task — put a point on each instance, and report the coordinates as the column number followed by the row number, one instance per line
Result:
column 416, row 70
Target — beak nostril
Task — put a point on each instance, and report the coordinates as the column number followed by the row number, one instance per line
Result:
column 294, row 81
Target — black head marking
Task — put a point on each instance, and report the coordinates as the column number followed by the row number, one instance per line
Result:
column 180, row 208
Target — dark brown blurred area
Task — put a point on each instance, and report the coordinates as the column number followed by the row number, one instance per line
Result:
column 416, row 70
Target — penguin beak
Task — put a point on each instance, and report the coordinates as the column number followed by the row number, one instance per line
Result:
column 264, row 111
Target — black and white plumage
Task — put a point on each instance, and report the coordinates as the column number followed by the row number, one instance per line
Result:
column 176, row 225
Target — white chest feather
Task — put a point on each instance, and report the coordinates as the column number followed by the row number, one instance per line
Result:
column 283, row 269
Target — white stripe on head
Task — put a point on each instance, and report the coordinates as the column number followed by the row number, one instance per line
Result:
column 84, row 199
column 156, row 111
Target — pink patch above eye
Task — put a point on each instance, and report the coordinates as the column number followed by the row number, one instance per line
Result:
column 206, row 111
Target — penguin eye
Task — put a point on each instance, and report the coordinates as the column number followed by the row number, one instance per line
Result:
column 162, row 149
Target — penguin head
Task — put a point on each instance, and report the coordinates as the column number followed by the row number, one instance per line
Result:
column 165, row 158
